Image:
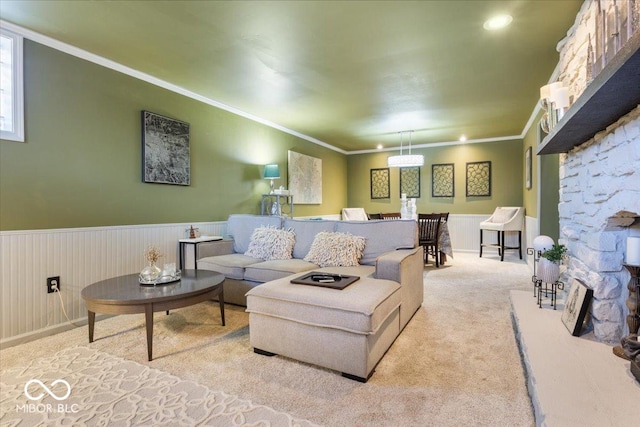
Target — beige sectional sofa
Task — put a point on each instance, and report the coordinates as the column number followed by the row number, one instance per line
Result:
column 346, row 330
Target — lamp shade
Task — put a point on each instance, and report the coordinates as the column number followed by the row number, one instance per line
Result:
column 405, row 161
column 542, row 243
column 271, row 172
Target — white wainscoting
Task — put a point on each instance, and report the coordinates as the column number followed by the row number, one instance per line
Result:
column 80, row 256
column 465, row 235
column 533, row 230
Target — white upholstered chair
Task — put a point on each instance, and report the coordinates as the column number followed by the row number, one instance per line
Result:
column 504, row 219
column 354, row 214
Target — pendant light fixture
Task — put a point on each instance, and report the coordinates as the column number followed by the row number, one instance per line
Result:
column 405, row 160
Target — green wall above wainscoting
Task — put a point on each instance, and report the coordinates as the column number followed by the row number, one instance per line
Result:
column 507, row 178
column 81, row 163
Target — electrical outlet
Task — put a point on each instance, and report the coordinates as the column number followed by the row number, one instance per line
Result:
column 51, row 282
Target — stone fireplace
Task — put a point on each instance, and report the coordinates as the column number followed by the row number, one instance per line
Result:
column 599, row 207
column 599, row 195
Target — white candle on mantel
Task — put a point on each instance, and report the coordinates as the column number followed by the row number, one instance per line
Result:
column 562, row 97
column 633, row 250
column 545, row 92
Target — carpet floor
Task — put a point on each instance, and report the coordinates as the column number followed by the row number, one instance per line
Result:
column 456, row 362
column 83, row 386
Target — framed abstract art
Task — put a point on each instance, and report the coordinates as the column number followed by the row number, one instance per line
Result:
column 165, row 150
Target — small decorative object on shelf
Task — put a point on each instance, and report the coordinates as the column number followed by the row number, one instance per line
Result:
column 151, row 272
column 615, row 23
column 555, row 101
column 591, row 72
column 192, row 232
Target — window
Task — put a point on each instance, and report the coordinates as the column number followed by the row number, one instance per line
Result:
column 11, row 93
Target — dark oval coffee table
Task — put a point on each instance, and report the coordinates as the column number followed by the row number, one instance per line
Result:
column 125, row 295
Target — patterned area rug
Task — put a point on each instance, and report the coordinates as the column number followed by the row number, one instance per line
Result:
column 81, row 386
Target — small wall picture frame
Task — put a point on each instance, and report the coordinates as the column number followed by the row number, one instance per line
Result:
column 576, row 307
column 442, row 179
column 527, row 168
column 479, row 179
column 410, row 182
column 380, row 187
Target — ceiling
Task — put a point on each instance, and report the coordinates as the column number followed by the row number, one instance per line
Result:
column 351, row 74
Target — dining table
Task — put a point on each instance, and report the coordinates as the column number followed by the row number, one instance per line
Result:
column 444, row 242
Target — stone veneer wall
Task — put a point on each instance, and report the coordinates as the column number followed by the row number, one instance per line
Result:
column 599, row 194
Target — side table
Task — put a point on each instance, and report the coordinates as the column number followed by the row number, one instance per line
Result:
column 193, row 243
column 277, row 204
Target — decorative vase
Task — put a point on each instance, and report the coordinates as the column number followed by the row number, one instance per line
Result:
column 548, row 271
column 151, row 272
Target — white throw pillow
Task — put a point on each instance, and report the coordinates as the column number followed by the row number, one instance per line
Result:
column 271, row 243
column 336, row 249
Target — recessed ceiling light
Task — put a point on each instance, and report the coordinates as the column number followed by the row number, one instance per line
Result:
column 497, row 22
column 379, row 147
column 463, row 138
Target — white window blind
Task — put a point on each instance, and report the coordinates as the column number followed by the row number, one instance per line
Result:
column 11, row 89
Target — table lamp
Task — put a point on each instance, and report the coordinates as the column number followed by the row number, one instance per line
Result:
column 271, row 172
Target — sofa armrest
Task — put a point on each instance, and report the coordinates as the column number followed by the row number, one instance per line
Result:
column 215, row 248
column 406, row 267
column 389, row 265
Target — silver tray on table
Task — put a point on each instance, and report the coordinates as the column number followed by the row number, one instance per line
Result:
column 162, row 280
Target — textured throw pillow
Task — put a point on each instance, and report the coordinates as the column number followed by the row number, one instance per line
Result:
column 503, row 215
column 336, row 249
column 270, row 243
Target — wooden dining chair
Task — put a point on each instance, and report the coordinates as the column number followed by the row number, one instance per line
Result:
column 429, row 230
column 444, row 216
column 391, row 215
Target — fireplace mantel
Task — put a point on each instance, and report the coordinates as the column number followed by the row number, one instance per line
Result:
column 612, row 94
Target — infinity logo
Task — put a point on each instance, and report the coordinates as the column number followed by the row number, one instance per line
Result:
column 52, row 394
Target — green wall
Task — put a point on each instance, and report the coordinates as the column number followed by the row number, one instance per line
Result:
column 530, row 196
column 81, row 163
column 507, row 178
column 546, row 181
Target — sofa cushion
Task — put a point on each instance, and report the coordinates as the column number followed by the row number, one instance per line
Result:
column 336, row 249
column 240, row 228
column 276, row 269
column 361, row 307
column 382, row 236
column 305, row 231
column 231, row 266
column 270, row 243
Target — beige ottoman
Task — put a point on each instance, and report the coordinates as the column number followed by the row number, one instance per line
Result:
column 345, row 330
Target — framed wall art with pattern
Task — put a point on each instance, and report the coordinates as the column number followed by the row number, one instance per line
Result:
column 442, row 179
column 410, row 182
column 478, row 179
column 380, row 188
